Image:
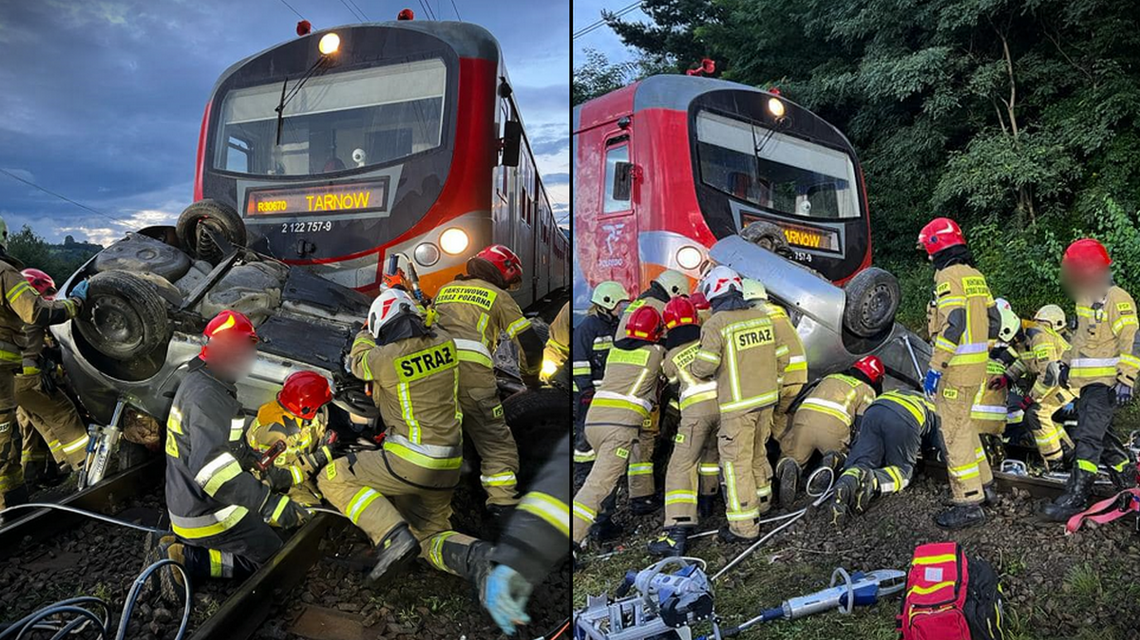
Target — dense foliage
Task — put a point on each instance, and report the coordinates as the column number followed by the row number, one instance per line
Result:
column 59, row 261
column 1017, row 118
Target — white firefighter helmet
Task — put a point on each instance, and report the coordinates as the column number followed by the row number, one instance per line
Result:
column 675, row 283
column 719, row 281
column 1051, row 315
column 1010, row 323
column 388, row 305
column 754, row 290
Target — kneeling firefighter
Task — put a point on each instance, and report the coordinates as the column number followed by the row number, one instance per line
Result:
column 400, row 495
column 891, row 433
column 298, row 419
column 474, row 309
column 1102, row 365
column 221, row 514
column 824, row 422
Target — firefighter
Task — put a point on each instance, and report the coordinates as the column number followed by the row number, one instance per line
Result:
column 223, row 517
column 1043, row 350
column 892, row 431
column 990, row 411
column 623, row 401
column 557, row 351
column 1102, row 366
column 964, row 323
column 825, row 421
column 400, row 495
column 45, row 406
column 532, row 544
column 741, row 349
column 474, row 309
column 592, row 341
column 298, row 418
column 693, row 467
column 22, row 305
column 794, row 376
column 667, row 285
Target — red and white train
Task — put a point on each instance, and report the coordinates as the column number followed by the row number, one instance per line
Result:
column 348, row 146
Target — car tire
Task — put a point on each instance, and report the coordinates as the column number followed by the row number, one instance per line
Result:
column 768, row 236
column 124, row 317
column 219, row 217
column 873, row 297
column 537, row 420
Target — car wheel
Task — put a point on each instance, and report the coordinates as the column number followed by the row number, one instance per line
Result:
column 215, row 216
column 124, row 317
column 872, row 299
column 768, row 236
column 537, row 420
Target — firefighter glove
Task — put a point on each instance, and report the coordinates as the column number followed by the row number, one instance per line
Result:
column 80, row 291
column 1001, row 382
column 1026, row 402
column 280, row 511
column 1123, row 393
column 279, row 478
column 1063, row 376
column 505, row 594
column 930, row 383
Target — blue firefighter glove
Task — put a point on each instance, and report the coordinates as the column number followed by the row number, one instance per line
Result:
column 930, row 384
column 1123, row 393
column 505, row 594
column 80, row 291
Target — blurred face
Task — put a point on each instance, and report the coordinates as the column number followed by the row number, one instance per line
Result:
column 1084, row 281
column 233, row 360
column 620, row 308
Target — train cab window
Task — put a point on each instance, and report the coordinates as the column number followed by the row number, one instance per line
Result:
column 337, row 121
column 776, row 171
column 614, row 201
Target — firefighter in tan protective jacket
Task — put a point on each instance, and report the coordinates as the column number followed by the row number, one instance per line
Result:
column 825, row 421
column 623, row 401
column 474, row 309
column 1102, row 365
column 795, row 374
column 298, row 419
column 964, row 324
column 21, row 306
column 741, row 349
column 400, row 495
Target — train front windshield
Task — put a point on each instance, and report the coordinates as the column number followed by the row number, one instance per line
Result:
column 335, row 122
column 781, row 174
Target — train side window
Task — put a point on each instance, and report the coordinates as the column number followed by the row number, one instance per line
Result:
column 617, row 179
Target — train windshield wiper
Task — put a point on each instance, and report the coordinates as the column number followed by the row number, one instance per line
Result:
column 285, row 99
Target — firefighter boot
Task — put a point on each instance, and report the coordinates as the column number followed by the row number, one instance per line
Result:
column 1124, row 478
column 991, row 494
column 171, row 583
column 1075, row 498
column 727, row 536
column 819, row 481
column 788, row 475
column 395, row 551
column 853, row 493
column 644, row 505
column 671, row 542
column 605, row 528
column 960, row 516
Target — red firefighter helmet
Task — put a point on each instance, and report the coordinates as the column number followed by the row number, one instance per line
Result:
column 227, row 330
column 872, row 367
column 40, row 281
column 939, row 234
column 680, row 311
column 644, row 324
column 1087, row 256
column 503, row 260
column 304, row 393
column 699, row 301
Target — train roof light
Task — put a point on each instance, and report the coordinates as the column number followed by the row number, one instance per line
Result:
column 776, row 107
column 406, row 14
column 329, row 44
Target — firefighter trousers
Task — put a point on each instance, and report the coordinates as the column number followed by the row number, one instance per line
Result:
column 888, row 447
column 813, row 431
column 1050, row 435
column 741, row 442
column 640, row 469
column 612, row 444
column 484, row 424
column 55, row 417
column 364, row 488
column 966, row 461
column 1094, row 440
column 11, row 471
column 35, row 449
column 692, row 465
column 235, row 553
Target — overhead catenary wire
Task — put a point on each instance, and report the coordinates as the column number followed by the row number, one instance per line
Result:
column 357, row 7
column 62, row 197
column 427, row 9
column 457, row 16
column 602, row 21
column 355, row 16
column 292, row 9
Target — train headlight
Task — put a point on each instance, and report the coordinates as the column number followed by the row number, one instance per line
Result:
column 329, row 44
column 454, row 241
column 427, row 254
column 689, row 257
column 776, row 107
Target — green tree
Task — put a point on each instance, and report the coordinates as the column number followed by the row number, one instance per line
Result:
column 598, row 76
column 34, row 251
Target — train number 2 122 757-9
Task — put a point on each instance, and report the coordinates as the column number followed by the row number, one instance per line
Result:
column 306, row 227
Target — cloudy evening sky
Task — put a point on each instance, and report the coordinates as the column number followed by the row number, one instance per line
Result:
column 102, row 100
